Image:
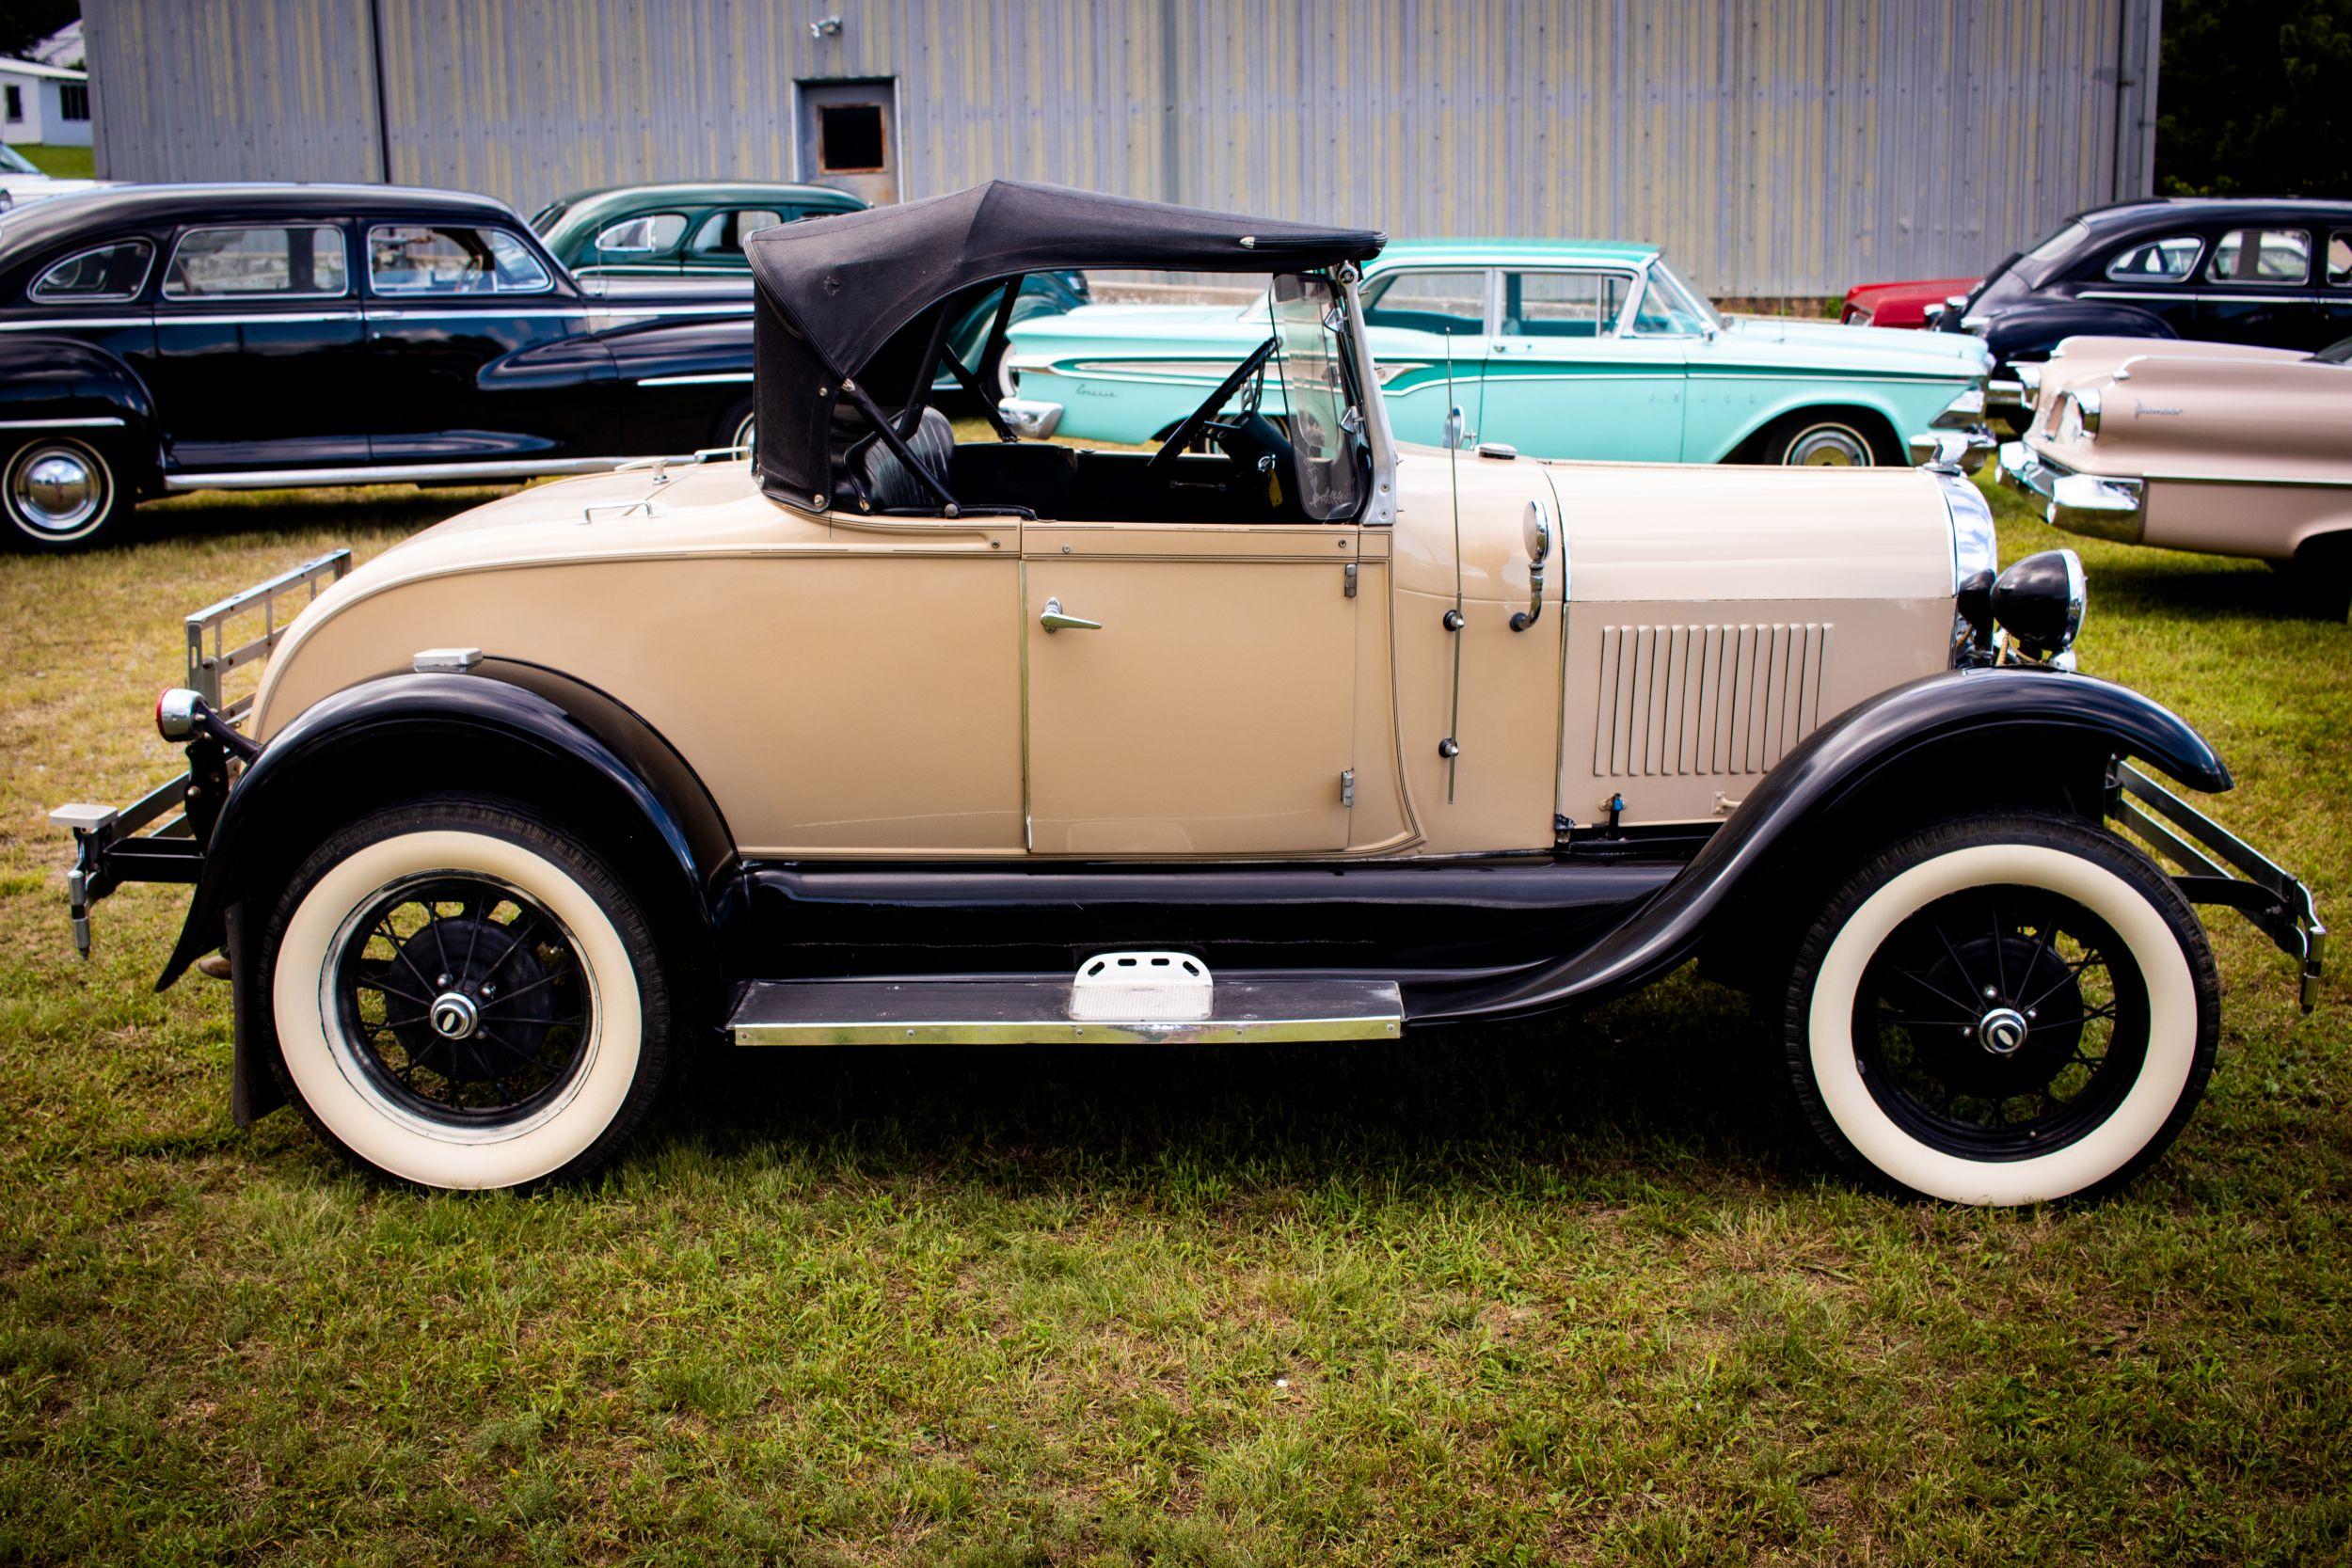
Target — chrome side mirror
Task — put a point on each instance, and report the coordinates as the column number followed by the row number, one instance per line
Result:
column 1538, row 553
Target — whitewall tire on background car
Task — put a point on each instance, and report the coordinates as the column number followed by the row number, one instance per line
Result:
column 465, row 998
column 59, row 492
column 1816, row 440
column 2003, row 1010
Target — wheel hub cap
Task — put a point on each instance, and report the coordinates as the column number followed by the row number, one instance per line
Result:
column 456, row 1016
column 2001, row 1030
column 57, row 490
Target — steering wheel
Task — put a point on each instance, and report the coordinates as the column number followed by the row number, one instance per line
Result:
column 1163, row 463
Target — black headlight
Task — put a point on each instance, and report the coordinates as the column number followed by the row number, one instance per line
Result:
column 2038, row 602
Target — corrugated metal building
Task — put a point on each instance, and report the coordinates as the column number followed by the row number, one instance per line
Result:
column 1775, row 147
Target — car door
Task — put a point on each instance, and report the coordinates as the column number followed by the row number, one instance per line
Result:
column 716, row 244
column 1564, row 379
column 258, row 358
column 2338, row 292
column 2259, row 289
column 643, row 244
column 2155, row 274
column 1428, row 329
column 477, row 353
column 1190, row 686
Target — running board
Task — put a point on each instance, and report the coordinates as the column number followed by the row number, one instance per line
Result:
column 1037, row 1012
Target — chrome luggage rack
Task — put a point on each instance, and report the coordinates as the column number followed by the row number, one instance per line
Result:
column 2219, row 867
column 110, row 849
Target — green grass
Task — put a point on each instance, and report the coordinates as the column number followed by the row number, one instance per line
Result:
column 1573, row 1291
column 66, row 163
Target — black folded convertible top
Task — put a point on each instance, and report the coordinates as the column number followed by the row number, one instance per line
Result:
column 832, row 291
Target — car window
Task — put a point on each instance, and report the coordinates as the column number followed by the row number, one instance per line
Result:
column 1563, row 304
column 2157, row 261
column 2262, row 255
column 1668, row 309
column 1440, row 301
column 104, row 271
column 287, row 261
column 434, row 259
column 647, row 234
column 2339, row 258
column 722, row 234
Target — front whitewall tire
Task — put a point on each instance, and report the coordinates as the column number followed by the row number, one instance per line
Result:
column 2158, row 936
column 355, row 1107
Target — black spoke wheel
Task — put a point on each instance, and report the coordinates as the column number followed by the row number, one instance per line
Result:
column 2001, row 1022
column 467, row 999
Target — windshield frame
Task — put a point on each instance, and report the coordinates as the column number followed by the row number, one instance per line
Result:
column 1656, row 274
column 1327, row 396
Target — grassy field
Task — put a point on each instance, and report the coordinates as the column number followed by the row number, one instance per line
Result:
column 1571, row 1293
column 66, row 163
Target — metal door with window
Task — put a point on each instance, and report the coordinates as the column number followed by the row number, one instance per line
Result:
column 477, row 355
column 1564, row 380
column 849, row 137
column 258, row 349
column 2259, row 289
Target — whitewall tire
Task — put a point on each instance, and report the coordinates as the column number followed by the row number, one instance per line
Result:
column 463, row 998
column 58, row 493
column 2003, row 1010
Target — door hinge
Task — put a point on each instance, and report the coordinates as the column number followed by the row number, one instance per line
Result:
column 1348, row 786
column 1351, row 579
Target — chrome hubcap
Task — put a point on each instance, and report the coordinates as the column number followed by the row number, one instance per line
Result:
column 455, row 1015
column 56, row 489
column 2001, row 1030
column 1829, row 447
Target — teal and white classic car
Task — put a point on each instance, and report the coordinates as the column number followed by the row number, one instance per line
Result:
column 1554, row 348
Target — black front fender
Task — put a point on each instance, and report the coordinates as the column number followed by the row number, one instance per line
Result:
column 1978, row 724
column 2031, row 330
column 585, row 757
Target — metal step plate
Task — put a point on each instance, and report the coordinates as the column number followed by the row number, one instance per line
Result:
column 1037, row 1012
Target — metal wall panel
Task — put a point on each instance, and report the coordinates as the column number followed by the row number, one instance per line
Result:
column 1775, row 147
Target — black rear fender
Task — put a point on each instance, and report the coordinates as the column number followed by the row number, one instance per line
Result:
column 86, row 392
column 508, row 730
column 2032, row 331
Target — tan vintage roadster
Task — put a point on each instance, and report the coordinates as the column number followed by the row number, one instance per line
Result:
column 2212, row 447
column 891, row 738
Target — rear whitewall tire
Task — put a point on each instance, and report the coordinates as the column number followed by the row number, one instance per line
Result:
column 47, row 516
column 2158, row 933
column 620, row 1065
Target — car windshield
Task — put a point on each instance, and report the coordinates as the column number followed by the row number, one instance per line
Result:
column 1671, row 308
column 2336, row 354
column 2065, row 237
column 1325, row 425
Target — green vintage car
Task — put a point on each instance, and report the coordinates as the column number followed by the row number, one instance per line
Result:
column 1555, row 348
column 689, row 229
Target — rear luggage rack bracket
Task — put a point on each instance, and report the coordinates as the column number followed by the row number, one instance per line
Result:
column 110, row 847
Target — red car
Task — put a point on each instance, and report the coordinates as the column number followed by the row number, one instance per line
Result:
column 1900, row 304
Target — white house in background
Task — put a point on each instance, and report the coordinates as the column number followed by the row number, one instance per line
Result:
column 43, row 103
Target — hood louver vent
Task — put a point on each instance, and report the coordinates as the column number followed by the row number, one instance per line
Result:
column 1720, row 699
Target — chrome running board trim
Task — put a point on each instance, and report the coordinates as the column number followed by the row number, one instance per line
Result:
column 389, row 473
column 1030, row 1011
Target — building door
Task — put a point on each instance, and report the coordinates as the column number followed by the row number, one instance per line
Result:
column 849, row 137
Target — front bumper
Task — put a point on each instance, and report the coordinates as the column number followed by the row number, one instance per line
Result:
column 2218, row 867
column 2005, row 394
column 2089, row 504
column 1975, row 445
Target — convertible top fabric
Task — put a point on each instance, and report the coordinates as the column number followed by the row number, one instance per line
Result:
column 833, row 291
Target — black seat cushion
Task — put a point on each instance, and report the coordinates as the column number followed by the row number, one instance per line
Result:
column 887, row 482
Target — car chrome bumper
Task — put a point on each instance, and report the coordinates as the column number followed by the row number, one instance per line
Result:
column 2219, row 867
column 1975, row 445
column 2087, row 504
column 2004, row 392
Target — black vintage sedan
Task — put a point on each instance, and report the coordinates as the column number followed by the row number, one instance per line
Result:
column 2274, row 273
column 167, row 338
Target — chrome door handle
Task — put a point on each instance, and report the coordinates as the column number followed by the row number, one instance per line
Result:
column 1054, row 620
